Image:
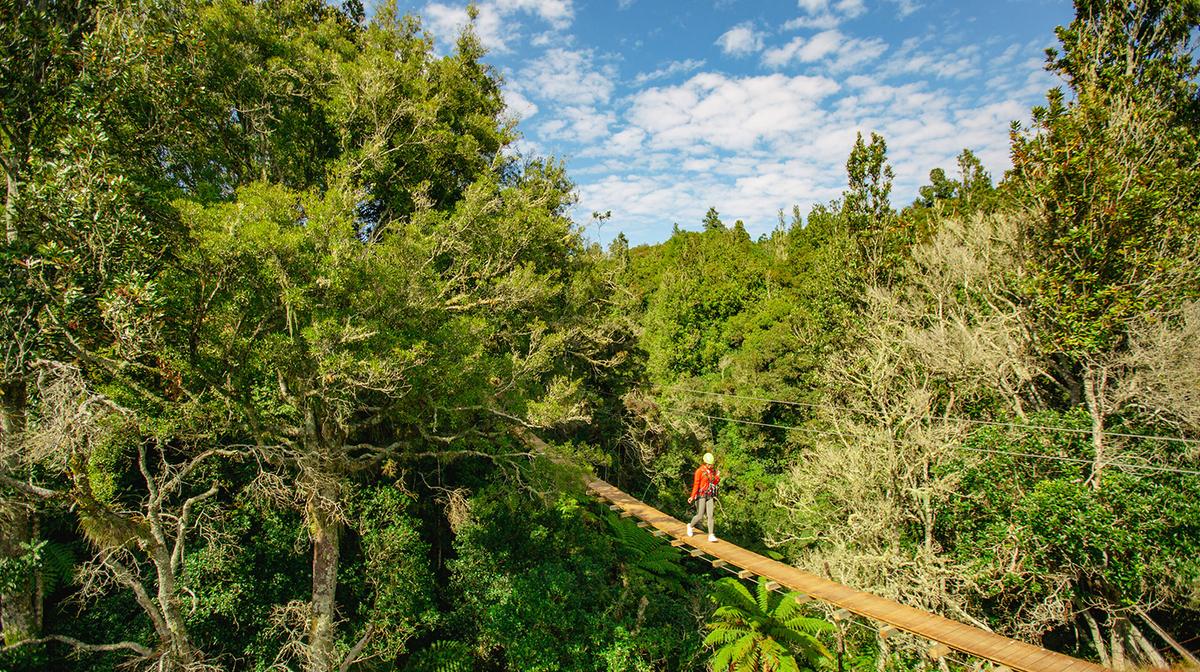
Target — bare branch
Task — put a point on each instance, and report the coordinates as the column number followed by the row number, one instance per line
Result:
column 356, row 651
column 84, row 646
column 29, row 488
column 182, row 524
column 177, row 480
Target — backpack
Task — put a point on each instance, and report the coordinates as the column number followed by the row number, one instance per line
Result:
column 710, row 486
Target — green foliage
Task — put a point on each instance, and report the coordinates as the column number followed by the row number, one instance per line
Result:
column 868, row 212
column 393, row 579
column 238, row 583
column 1112, row 176
column 865, row 202
column 1033, row 531
column 766, row 631
column 542, row 585
column 279, row 230
column 517, row 569
column 713, row 278
column 712, row 221
column 649, row 563
column 15, row 570
column 945, row 197
column 444, row 655
column 58, row 563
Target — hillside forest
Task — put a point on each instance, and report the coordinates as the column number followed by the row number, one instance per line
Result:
column 282, row 306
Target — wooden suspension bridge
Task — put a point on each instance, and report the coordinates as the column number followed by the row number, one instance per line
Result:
column 945, row 633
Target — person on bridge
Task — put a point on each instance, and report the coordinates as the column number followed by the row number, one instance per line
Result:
column 704, row 493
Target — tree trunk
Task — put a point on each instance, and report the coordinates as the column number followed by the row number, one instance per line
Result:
column 885, row 652
column 326, row 537
column 1179, row 648
column 1118, row 634
column 17, row 608
column 1097, row 638
column 180, row 645
column 10, row 201
column 1095, row 380
column 1143, row 644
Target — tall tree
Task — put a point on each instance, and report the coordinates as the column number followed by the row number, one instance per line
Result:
column 868, row 210
column 712, row 220
column 1112, row 236
column 86, row 223
column 1110, row 179
column 974, row 183
column 39, row 65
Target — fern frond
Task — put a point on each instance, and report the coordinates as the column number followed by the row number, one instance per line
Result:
column 58, row 565
column 763, row 596
column 444, row 655
column 730, row 591
column 723, row 636
column 812, row 626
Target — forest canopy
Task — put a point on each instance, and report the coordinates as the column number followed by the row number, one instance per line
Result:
column 282, row 303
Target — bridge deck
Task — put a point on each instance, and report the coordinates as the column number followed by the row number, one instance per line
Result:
column 1019, row 656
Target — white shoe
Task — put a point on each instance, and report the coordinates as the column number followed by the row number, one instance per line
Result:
column 690, row 532
column 712, row 537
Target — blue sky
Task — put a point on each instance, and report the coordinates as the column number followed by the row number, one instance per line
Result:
column 662, row 108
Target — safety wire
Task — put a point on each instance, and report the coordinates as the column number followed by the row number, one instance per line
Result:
column 854, row 618
column 955, row 656
column 1058, row 458
column 991, row 423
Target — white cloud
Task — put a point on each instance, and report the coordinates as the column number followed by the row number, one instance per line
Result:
column 568, row 77
column 848, row 8
column 627, row 141
column 740, row 40
column 572, row 95
column 447, row 21
column 519, row 105
column 819, row 46
column 906, row 7
column 578, row 124
column 557, row 13
column 823, row 15
column 552, row 37
column 852, row 8
column 496, row 23
column 919, row 57
column 751, row 145
column 818, row 22
column 714, row 110
column 842, row 52
column 669, row 70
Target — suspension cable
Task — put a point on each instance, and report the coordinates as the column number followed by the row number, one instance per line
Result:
column 992, row 423
column 1060, row 458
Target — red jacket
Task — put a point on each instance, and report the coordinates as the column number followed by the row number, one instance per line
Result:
column 706, row 476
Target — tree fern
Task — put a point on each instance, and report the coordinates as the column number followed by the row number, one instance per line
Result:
column 58, row 565
column 763, row 632
column 54, row 559
column 444, row 655
column 644, row 557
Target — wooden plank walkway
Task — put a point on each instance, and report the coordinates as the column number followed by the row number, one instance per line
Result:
column 1017, row 655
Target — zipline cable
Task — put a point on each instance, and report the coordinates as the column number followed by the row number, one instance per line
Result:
column 992, row 423
column 1144, row 467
